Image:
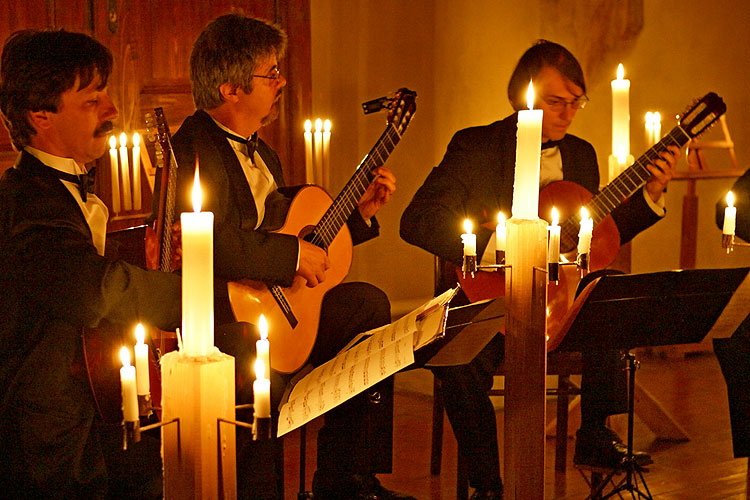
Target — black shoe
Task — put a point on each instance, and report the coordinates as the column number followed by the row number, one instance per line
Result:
column 487, row 495
column 602, row 447
column 352, row 487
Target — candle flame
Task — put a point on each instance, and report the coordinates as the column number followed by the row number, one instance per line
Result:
column 263, row 327
column 327, row 126
column 620, row 72
column 555, row 217
column 136, row 140
column 730, row 199
column 584, row 214
column 125, row 356
column 112, row 142
column 140, row 333
column 197, row 196
column 530, row 95
column 500, row 219
column 467, row 226
column 308, row 126
column 318, row 125
column 260, row 369
column 123, row 140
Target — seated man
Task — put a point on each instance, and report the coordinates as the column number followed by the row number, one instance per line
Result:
column 475, row 180
column 237, row 84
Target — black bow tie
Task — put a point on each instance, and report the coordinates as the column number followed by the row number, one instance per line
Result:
column 551, row 144
column 251, row 143
column 85, row 181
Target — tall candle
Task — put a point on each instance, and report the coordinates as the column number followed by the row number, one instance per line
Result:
column 262, row 346
column 309, row 172
column 115, row 172
column 584, row 235
column 318, row 151
column 261, row 392
column 469, row 239
column 553, row 250
column 528, row 150
column 197, row 277
column 127, row 384
column 136, row 171
column 125, row 164
column 730, row 215
column 620, row 114
column 326, row 153
column 141, row 362
column 500, row 232
column 653, row 128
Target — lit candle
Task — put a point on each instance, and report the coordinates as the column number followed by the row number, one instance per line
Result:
column 136, row 171
column 197, row 276
column 553, row 251
column 500, row 232
column 730, row 215
column 115, row 171
column 262, row 346
column 326, row 153
column 620, row 114
column 584, row 235
column 653, row 128
column 261, row 392
column 318, row 147
column 127, row 383
column 309, row 174
column 141, row 362
column 469, row 240
column 528, row 150
column 125, row 164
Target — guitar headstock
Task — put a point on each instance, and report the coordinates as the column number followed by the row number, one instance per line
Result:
column 157, row 130
column 401, row 107
column 702, row 114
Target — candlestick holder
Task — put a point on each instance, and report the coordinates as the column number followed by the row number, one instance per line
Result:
column 728, row 242
column 583, row 263
column 499, row 257
column 260, row 426
column 470, row 265
column 131, row 430
column 145, row 406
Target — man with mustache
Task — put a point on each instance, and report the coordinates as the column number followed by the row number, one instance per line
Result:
column 236, row 84
column 58, row 276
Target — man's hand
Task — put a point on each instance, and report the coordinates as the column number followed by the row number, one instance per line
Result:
column 662, row 172
column 378, row 193
column 313, row 263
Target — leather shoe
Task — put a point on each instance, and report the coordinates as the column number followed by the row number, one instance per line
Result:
column 487, row 495
column 602, row 447
column 352, row 487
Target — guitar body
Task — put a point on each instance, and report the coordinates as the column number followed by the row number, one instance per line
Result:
column 290, row 348
column 567, row 197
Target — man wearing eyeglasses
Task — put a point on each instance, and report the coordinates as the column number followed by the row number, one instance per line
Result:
column 236, row 84
column 475, row 180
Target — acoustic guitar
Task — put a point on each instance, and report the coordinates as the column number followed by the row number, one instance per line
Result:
column 294, row 312
column 567, row 197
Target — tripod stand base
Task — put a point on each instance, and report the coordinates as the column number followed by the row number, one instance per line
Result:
column 605, row 483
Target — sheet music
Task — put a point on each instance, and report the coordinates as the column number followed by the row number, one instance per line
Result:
column 365, row 361
column 734, row 313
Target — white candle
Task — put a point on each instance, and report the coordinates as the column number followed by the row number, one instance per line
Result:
column 500, row 232
column 318, row 151
column 141, row 362
column 309, row 173
column 125, row 164
column 653, row 128
column 528, row 150
column 127, row 383
column 197, row 277
column 262, row 346
column 115, row 172
column 620, row 114
column 326, row 153
column 553, row 251
column 469, row 240
column 584, row 235
column 730, row 215
column 261, row 392
column 136, row 171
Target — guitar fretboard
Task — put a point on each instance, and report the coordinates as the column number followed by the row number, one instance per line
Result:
column 346, row 202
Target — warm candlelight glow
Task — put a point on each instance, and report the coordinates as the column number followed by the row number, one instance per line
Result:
column 263, row 326
column 318, row 125
column 556, row 217
column 308, row 126
column 467, row 226
column 620, row 122
column 141, row 361
column 125, row 356
column 469, row 240
column 528, row 151
column 140, row 334
column 262, row 346
column 114, row 173
column 730, row 199
column 620, row 72
column 553, row 250
column 530, row 96
column 730, row 216
column 327, row 126
column 585, row 233
column 136, row 140
column 197, row 195
column 123, row 140
column 500, row 232
column 128, row 387
column 112, row 142
column 260, row 369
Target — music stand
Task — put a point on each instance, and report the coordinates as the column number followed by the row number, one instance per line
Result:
column 627, row 311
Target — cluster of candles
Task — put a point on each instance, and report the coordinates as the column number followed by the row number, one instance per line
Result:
column 129, row 198
column 317, row 151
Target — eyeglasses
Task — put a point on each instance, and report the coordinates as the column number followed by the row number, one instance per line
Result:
column 275, row 74
column 556, row 104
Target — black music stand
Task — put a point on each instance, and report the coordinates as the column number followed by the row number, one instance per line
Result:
column 627, row 311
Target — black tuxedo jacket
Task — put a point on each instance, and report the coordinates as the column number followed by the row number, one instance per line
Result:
column 475, row 180
column 52, row 284
column 241, row 251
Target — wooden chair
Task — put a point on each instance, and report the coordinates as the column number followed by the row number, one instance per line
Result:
column 562, row 364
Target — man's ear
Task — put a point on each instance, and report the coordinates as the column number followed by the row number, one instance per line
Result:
column 228, row 92
column 40, row 120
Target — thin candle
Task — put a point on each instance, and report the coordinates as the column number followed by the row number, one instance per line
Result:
column 500, row 232
column 262, row 346
column 469, row 239
column 730, row 216
column 141, row 362
column 136, row 171
column 318, row 150
column 553, row 251
column 261, row 392
column 585, row 233
column 620, row 114
column 115, row 173
column 528, row 151
column 127, row 383
column 309, row 172
column 326, row 153
column 125, row 164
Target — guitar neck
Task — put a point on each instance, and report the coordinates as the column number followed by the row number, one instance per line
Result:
column 346, row 202
column 621, row 187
